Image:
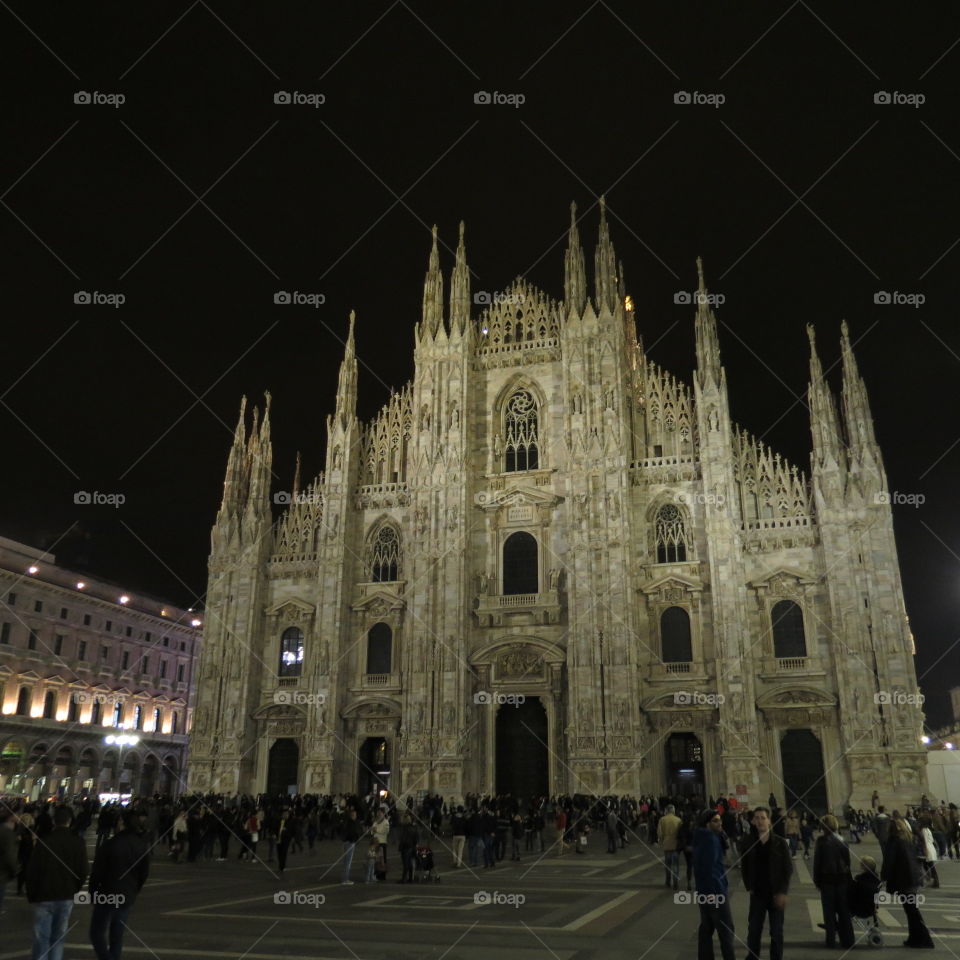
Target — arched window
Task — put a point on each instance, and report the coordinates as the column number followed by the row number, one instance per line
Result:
column 520, row 574
column 521, row 437
column 379, row 649
column 157, row 721
column 675, row 641
column 49, row 705
column 789, row 640
column 174, row 721
column 96, row 713
column 291, row 653
column 671, row 535
column 138, row 717
column 384, row 556
column 117, row 713
column 73, row 709
column 23, row 702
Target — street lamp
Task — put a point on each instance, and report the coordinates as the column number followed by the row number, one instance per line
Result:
column 121, row 740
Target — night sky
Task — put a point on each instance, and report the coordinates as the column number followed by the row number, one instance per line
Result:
column 199, row 197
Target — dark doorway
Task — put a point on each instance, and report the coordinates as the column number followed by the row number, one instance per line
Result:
column 282, row 771
column 374, row 766
column 520, row 573
column 685, row 766
column 522, row 768
column 804, row 782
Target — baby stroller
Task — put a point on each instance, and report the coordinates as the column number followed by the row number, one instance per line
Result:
column 863, row 909
column 423, row 868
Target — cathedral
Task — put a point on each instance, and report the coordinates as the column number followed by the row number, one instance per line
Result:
column 548, row 566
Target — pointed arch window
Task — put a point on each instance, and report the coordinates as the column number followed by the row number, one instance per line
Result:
column 379, row 649
column 521, row 433
column 291, row 652
column 384, row 560
column 671, row 535
column 789, row 638
column 676, row 645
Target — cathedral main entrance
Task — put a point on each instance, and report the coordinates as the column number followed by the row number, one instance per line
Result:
column 283, row 767
column 374, row 764
column 805, row 785
column 521, row 745
column 684, row 755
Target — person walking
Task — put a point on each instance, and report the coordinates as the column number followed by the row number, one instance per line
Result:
column 350, row 832
column 928, row 847
column 710, row 878
column 285, row 835
column 560, row 825
column 611, row 826
column 516, row 825
column 458, row 827
column 831, row 875
column 120, row 869
column 767, row 868
column 792, row 832
column 8, row 851
column 668, row 836
column 380, row 831
column 902, row 873
column 407, row 844
column 55, row 873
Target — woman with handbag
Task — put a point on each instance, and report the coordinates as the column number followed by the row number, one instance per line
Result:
column 903, row 875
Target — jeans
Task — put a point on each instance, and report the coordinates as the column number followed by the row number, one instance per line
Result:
column 50, row 919
column 671, row 863
column 408, row 857
column 458, row 842
column 371, row 870
column 348, row 850
column 836, row 914
column 112, row 921
column 489, row 860
column 917, row 930
column 476, row 846
column 760, row 908
column 715, row 919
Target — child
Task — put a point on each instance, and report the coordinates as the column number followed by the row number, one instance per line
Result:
column 864, row 890
column 373, row 857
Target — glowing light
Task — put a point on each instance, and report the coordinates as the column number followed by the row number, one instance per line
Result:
column 36, row 712
column 32, row 569
column 628, row 304
column 195, row 623
column 924, row 739
column 949, row 746
column 8, row 708
column 61, row 715
column 124, row 599
column 123, row 740
column 80, row 585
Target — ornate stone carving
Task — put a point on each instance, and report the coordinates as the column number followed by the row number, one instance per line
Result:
column 519, row 663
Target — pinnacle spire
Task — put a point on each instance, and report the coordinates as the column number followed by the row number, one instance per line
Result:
column 708, row 343
column 856, row 407
column 823, row 411
column 574, row 273
column 605, row 265
column 296, row 478
column 460, row 289
column 433, row 291
column 347, row 381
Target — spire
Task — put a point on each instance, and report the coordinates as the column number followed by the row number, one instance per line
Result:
column 296, row 479
column 460, row 290
column 261, row 470
column 823, row 411
column 433, row 292
column 347, row 382
column 856, row 407
column 234, row 481
column 708, row 344
column 574, row 274
column 605, row 265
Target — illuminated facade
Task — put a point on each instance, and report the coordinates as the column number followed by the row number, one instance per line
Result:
column 80, row 660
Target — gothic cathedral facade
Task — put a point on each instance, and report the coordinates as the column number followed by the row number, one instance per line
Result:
column 550, row 566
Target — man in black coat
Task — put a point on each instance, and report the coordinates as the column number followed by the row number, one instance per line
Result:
column 8, row 851
column 56, row 871
column 120, row 869
column 767, row 869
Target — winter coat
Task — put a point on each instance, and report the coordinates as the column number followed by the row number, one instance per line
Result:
column 709, row 872
column 781, row 867
column 8, row 854
column 831, row 860
column 121, row 867
column 667, row 831
column 901, row 871
column 58, row 866
column 928, row 846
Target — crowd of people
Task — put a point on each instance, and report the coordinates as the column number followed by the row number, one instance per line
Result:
column 699, row 841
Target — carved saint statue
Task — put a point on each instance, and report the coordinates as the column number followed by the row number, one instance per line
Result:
column 554, row 578
column 484, row 582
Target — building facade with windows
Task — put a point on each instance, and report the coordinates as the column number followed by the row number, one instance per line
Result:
column 80, row 660
column 550, row 566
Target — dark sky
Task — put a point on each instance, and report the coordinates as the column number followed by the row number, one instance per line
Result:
column 199, row 197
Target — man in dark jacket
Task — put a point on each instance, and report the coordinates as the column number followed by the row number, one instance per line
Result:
column 767, row 869
column 831, row 874
column 710, row 876
column 350, row 834
column 9, row 864
column 56, row 871
column 120, row 869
